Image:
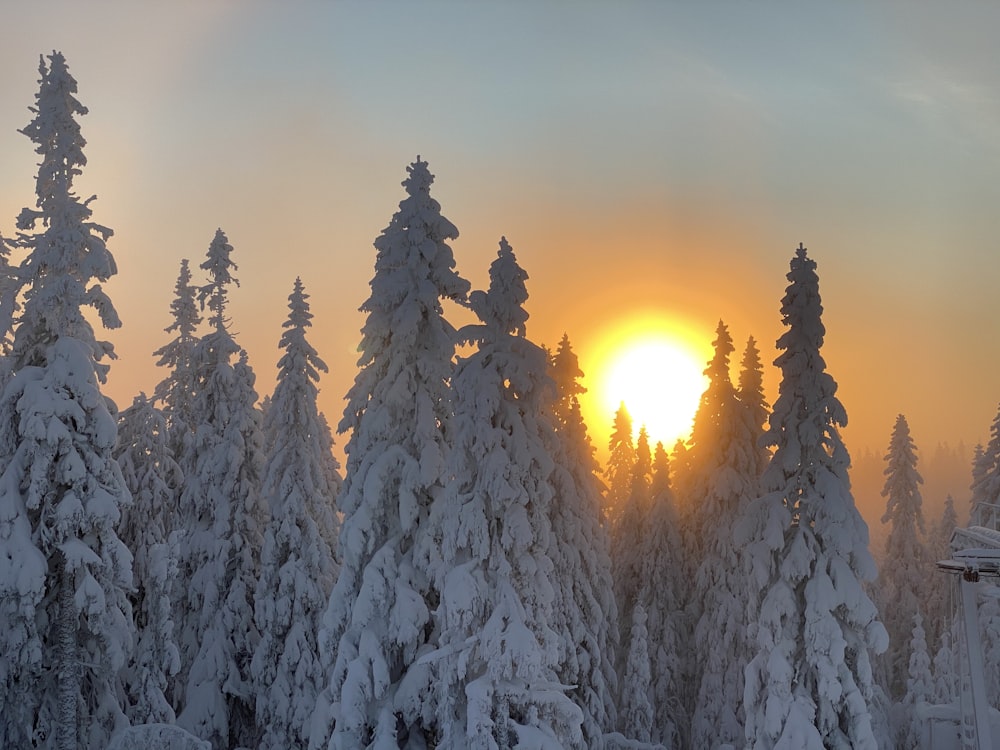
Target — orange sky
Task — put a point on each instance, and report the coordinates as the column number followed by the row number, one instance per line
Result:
column 638, row 156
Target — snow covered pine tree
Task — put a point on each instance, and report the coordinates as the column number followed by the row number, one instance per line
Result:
column 65, row 620
column 809, row 682
column 398, row 413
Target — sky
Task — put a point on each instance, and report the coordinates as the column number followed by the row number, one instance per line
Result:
column 646, row 161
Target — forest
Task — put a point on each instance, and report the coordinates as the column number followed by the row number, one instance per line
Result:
column 197, row 570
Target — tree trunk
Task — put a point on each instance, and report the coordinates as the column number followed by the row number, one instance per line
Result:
column 67, row 667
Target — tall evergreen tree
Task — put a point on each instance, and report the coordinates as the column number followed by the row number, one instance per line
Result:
column 220, row 554
column 618, row 472
column 626, row 553
column 496, row 682
column 637, row 711
column 750, row 392
column 919, row 690
column 297, row 563
column 727, row 460
column 939, row 606
column 986, row 470
column 177, row 390
column 667, row 626
column 153, row 478
column 65, row 619
column 585, row 611
column 809, row 681
column 398, row 414
column 904, row 580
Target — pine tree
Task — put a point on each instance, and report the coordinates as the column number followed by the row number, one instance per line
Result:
column 176, row 392
column 626, row 553
column 986, row 469
column 919, row 690
column 810, row 677
column 727, row 461
column 585, row 612
column 297, row 563
column 490, row 535
column 618, row 472
column 939, row 605
column 220, row 552
column 667, row 626
column 637, row 712
column 750, row 392
column 65, row 619
column 904, row 585
column 153, row 479
column 398, row 414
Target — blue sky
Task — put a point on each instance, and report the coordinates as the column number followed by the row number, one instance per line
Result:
column 637, row 155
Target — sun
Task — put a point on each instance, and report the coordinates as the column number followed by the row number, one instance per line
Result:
column 656, row 368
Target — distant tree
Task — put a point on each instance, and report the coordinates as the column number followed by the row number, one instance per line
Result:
column 919, row 690
column 986, row 469
column 297, row 564
column 398, row 414
column 667, row 626
column 637, row 712
column 65, row 620
column 809, row 680
column 626, row 554
column 728, row 471
column 904, row 584
column 496, row 680
column 750, row 392
column 618, row 472
column 946, row 670
column 153, row 479
column 220, row 554
column 939, row 605
column 176, row 392
column 585, row 612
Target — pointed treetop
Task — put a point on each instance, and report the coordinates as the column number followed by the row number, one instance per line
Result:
column 299, row 356
column 621, row 433
column 566, row 369
column 718, row 366
column 500, row 308
column 419, row 178
column 183, row 306
column 219, row 266
column 54, row 130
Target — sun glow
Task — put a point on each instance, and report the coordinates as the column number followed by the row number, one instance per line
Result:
column 655, row 368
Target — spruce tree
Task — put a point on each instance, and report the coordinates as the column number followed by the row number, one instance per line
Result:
column 496, row 681
column 727, row 461
column 750, row 392
column 297, row 563
column 809, row 681
column 398, row 414
column 220, row 553
column 585, row 612
column 64, row 572
column 626, row 553
column 986, row 469
column 618, row 472
column 637, row 711
column 919, row 690
column 660, row 594
column 154, row 479
column 904, row 584
column 177, row 390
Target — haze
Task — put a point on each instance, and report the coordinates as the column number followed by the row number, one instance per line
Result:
column 663, row 157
